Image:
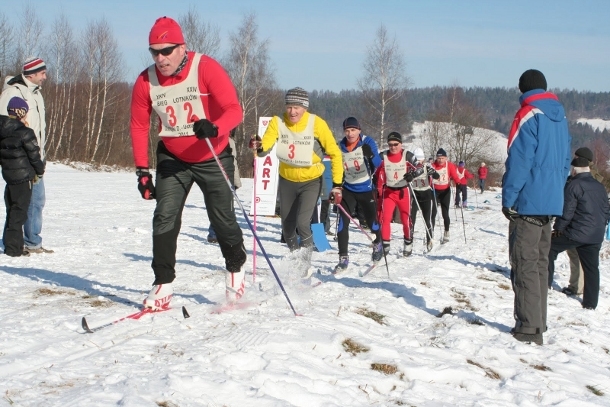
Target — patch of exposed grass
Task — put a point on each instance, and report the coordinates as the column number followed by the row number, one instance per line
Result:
column 100, row 304
column 542, row 367
column 49, row 292
column 354, row 347
column 475, row 321
column 166, row 404
column 445, row 311
column 384, row 368
column 595, row 390
column 484, row 277
column 375, row 316
column 488, row 372
column 462, row 298
column 606, row 350
column 504, row 286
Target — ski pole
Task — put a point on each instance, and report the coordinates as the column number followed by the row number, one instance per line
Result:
column 419, row 207
column 463, row 225
column 354, row 222
column 476, row 199
column 224, row 173
column 254, row 205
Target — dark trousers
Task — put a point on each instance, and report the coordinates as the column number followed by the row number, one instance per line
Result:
column 528, row 248
column 589, row 258
column 17, row 200
column 461, row 190
column 425, row 200
column 366, row 202
column 297, row 203
column 174, row 180
column 444, row 198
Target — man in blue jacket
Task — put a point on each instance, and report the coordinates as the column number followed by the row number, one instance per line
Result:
column 360, row 160
column 537, row 167
column 582, row 226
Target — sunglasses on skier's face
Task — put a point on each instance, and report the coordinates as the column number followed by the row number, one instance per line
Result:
column 167, row 51
column 393, row 144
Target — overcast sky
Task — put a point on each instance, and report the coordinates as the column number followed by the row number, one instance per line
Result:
column 321, row 44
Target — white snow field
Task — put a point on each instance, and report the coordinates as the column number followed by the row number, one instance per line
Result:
column 371, row 341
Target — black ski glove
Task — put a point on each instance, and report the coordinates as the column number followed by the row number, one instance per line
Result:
column 367, row 152
column 145, row 183
column 410, row 176
column 432, row 173
column 205, row 129
column 510, row 213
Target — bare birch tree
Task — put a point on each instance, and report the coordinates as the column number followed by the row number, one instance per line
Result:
column 7, row 50
column 384, row 85
column 30, row 34
column 102, row 64
column 62, row 56
column 200, row 36
column 248, row 65
column 459, row 128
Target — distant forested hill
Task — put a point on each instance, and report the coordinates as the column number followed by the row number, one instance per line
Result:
column 497, row 104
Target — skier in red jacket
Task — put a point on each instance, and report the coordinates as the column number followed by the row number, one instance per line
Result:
column 196, row 103
column 482, row 176
column 461, row 186
column 442, row 189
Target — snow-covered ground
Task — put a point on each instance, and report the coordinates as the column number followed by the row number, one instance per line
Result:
column 597, row 124
column 263, row 355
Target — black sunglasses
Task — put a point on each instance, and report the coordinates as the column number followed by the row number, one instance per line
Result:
column 393, row 144
column 167, row 51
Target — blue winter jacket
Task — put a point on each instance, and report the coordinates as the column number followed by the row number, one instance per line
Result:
column 538, row 160
column 375, row 162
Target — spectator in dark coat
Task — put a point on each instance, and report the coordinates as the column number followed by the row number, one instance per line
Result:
column 21, row 168
column 582, row 226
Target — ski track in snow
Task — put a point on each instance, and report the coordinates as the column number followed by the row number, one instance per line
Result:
column 262, row 354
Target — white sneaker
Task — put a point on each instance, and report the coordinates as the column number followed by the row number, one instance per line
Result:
column 159, row 297
column 235, row 285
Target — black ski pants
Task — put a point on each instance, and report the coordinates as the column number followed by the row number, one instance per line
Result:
column 444, row 198
column 350, row 201
column 16, row 200
column 425, row 199
column 174, row 180
column 589, row 258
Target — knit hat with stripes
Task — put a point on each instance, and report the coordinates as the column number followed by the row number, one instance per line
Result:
column 33, row 65
column 297, row 97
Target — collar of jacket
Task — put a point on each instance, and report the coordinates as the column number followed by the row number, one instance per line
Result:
column 21, row 80
column 536, row 94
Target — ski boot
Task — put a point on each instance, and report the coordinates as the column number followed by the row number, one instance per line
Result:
column 235, row 284
column 445, row 237
column 159, row 297
column 407, row 248
column 342, row 266
column 377, row 252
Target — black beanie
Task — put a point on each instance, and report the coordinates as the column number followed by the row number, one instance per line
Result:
column 394, row 136
column 351, row 123
column 441, row 153
column 584, row 152
column 532, row 79
column 580, row 162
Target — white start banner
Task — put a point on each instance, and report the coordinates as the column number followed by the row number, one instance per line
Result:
column 264, row 191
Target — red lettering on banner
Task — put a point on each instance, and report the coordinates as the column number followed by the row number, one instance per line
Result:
column 267, row 172
column 268, row 161
column 265, row 183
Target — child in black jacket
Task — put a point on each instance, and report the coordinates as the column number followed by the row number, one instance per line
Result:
column 21, row 166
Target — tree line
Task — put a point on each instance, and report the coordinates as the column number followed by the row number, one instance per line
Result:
column 88, row 99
